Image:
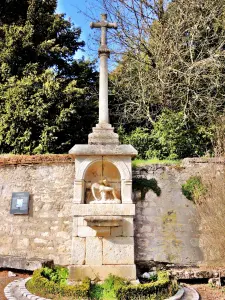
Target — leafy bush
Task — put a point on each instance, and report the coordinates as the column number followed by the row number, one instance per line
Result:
column 57, row 274
column 139, row 138
column 152, row 290
column 193, row 188
column 108, row 289
column 40, row 284
column 173, row 137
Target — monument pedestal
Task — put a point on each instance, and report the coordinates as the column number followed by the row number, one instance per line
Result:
column 103, row 241
column 103, row 233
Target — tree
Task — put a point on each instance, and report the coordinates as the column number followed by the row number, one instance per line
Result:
column 178, row 65
column 45, row 94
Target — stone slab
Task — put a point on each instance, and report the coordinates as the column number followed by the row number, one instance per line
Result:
column 128, row 226
column 104, row 209
column 78, row 251
column 87, row 150
column 93, row 251
column 118, row 250
column 23, row 263
column 78, row 273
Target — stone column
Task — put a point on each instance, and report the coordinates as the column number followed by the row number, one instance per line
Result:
column 103, row 89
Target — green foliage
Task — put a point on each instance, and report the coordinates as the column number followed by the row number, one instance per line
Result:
column 96, row 291
column 193, row 189
column 144, row 185
column 148, row 290
column 173, row 137
column 139, row 138
column 108, row 289
column 142, row 162
column 57, row 274
column 44, row 91
column 40, row 284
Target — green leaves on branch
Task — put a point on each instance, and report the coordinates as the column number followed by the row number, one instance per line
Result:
column 44, row 91
column 172, row 137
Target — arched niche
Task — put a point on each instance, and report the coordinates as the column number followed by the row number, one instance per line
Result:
column 96, row 172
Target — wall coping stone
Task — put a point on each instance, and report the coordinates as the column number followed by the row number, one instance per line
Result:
column 203, row 160
column 10, row 159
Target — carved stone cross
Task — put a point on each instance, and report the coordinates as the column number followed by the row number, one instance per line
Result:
column 104, row 54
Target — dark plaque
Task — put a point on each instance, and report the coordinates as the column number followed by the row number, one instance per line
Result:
column 19, row 203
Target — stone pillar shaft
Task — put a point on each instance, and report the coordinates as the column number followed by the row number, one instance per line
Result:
column 103, row 89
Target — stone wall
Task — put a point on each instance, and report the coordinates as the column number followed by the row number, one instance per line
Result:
column 46, row 231
column 165, row 227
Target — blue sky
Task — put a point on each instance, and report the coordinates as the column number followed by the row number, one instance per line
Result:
column 81, row 13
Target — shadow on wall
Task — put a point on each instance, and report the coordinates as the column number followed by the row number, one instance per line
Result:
column 143, row 185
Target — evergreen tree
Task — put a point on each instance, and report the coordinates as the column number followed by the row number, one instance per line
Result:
column 47, row 98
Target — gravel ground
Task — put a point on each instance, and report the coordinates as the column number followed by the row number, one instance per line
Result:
column 206, row 292
column 5, row 280
column 209, row 293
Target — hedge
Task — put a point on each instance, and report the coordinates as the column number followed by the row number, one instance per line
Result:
column 41, row 284
column 143, row 291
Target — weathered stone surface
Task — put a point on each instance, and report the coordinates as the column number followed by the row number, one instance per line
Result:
column 128, row 226
column 93, row 251
column 84, row 231
column 104, row 210
column 103, row 221
column 49, row 222
column 103, row 134
column 116, row 231
column 197, row 273
column 166, row 227
column 78, row 251
column 103, row 150
column 118, row 250
column 21, row 263
column 78, row 273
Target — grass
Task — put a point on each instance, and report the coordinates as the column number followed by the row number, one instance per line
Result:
column 142, row 162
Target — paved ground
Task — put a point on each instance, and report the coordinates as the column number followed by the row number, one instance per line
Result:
column 5, row 280
column 206, row 292
column 209, row 293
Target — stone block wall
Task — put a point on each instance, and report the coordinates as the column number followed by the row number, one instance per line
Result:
column 46, row 231
column 165, row 227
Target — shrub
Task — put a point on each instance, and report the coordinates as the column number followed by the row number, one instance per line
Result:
column 108, row 289
column 139, row 138
column 57, row 274
column 174, row 137
column 193, row 189
column 41, row 284
column 152, row 290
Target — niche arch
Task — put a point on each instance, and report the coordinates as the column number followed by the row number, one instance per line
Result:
column 97, row 171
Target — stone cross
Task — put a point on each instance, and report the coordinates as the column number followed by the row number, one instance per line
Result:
column 104, row 54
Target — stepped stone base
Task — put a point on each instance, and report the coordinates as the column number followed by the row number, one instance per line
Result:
column 78, row 273
column 103, row 134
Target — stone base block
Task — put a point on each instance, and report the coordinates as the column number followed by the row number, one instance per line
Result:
column 100, row 273
column 23, row 263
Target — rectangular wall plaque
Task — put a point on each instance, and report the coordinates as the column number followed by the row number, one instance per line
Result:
column 20, row 203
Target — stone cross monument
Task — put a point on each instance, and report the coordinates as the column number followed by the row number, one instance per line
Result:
column 103, row 211
column 104, row 54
